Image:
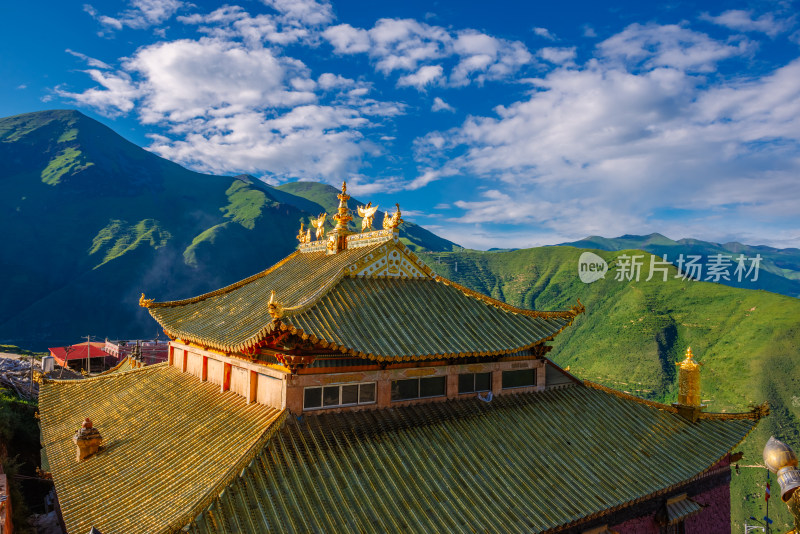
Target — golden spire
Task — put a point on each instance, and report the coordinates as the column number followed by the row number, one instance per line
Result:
column 343, row 216
column 301, row 235
column 689, row 381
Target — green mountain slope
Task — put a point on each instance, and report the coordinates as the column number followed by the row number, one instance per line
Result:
column 779, row 270
column 323, row 198
column 95, row 220
column 633, row 333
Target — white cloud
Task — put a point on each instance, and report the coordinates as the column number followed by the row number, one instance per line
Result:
column 441, row 105
column 307, row 12
column 544, row 33
column 409, row 46
column 608, row 146
column 671, row 45
column 737, row 19
column 424, row 76
column 559, row 56
column 116, row 97
column 347, row 40
column 228, row 106
column 141, row 14
column 92, row 62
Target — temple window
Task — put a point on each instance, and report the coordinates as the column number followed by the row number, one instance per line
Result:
column 519, row 379
column 418, row 388
column 474, row 382
column 338, row 395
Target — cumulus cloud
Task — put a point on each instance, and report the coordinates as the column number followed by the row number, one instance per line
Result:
column 237, row 106
column 424, row 76
column 652, row 45
column 544, row 33
column 559, row 56
column 141, row 14
column 441, row 105
column 741, row 20
column 640, row 128
column 409, row 46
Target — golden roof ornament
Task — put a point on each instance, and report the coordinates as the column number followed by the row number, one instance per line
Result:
column 781, row 459
column 393, row 221
column 144, row 302
column 689, row 381
column 319, row 224
column 343, row 216
column 367, row 212
column 274, row 307
column 301, row 235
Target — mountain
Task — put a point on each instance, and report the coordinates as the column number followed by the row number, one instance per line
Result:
column 94, row 220
column 633, row 333
column 779, row 269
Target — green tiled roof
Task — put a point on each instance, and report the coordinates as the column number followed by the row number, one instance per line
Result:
column 230, row 317
column 522, row 463
column 376, row 317
column 170, row 441
column 389, row 318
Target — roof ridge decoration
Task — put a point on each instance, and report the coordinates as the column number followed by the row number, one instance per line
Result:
column 755, row 413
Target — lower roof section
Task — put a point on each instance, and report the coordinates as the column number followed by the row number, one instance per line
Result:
column 170, row 442
column 520, row 463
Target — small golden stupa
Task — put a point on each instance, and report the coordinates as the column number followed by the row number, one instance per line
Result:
column 689, row 381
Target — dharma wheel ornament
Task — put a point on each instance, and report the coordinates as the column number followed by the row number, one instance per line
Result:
column 781, row 459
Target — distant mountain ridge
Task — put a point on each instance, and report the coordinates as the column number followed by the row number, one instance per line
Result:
column 93, row 220
column 779, row 269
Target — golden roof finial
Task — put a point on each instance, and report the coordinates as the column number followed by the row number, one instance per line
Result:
column 689, row 381
column 367, row 212
column 343, row 216
column 393, row 221
column 145, row 303
column 301, row 235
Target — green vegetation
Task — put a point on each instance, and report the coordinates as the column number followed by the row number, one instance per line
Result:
column 68, row 161
column 633, row 333
column 779, row 269
column 19, row 455
column 207, row 237
column 246, row 204
column 119, row 237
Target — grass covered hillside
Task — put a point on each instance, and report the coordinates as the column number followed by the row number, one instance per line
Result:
column 633, row 333
column 779, row 270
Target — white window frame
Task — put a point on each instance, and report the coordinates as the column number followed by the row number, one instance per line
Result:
column 339, row 405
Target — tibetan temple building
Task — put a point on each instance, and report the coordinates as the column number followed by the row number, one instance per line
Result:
column 349, row 388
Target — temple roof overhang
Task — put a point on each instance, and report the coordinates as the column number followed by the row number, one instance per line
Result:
column 374, row 299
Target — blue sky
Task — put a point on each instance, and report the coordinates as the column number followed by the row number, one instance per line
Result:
column 494, row 124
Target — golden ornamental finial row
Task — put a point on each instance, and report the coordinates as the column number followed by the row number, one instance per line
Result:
column 343, row 216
